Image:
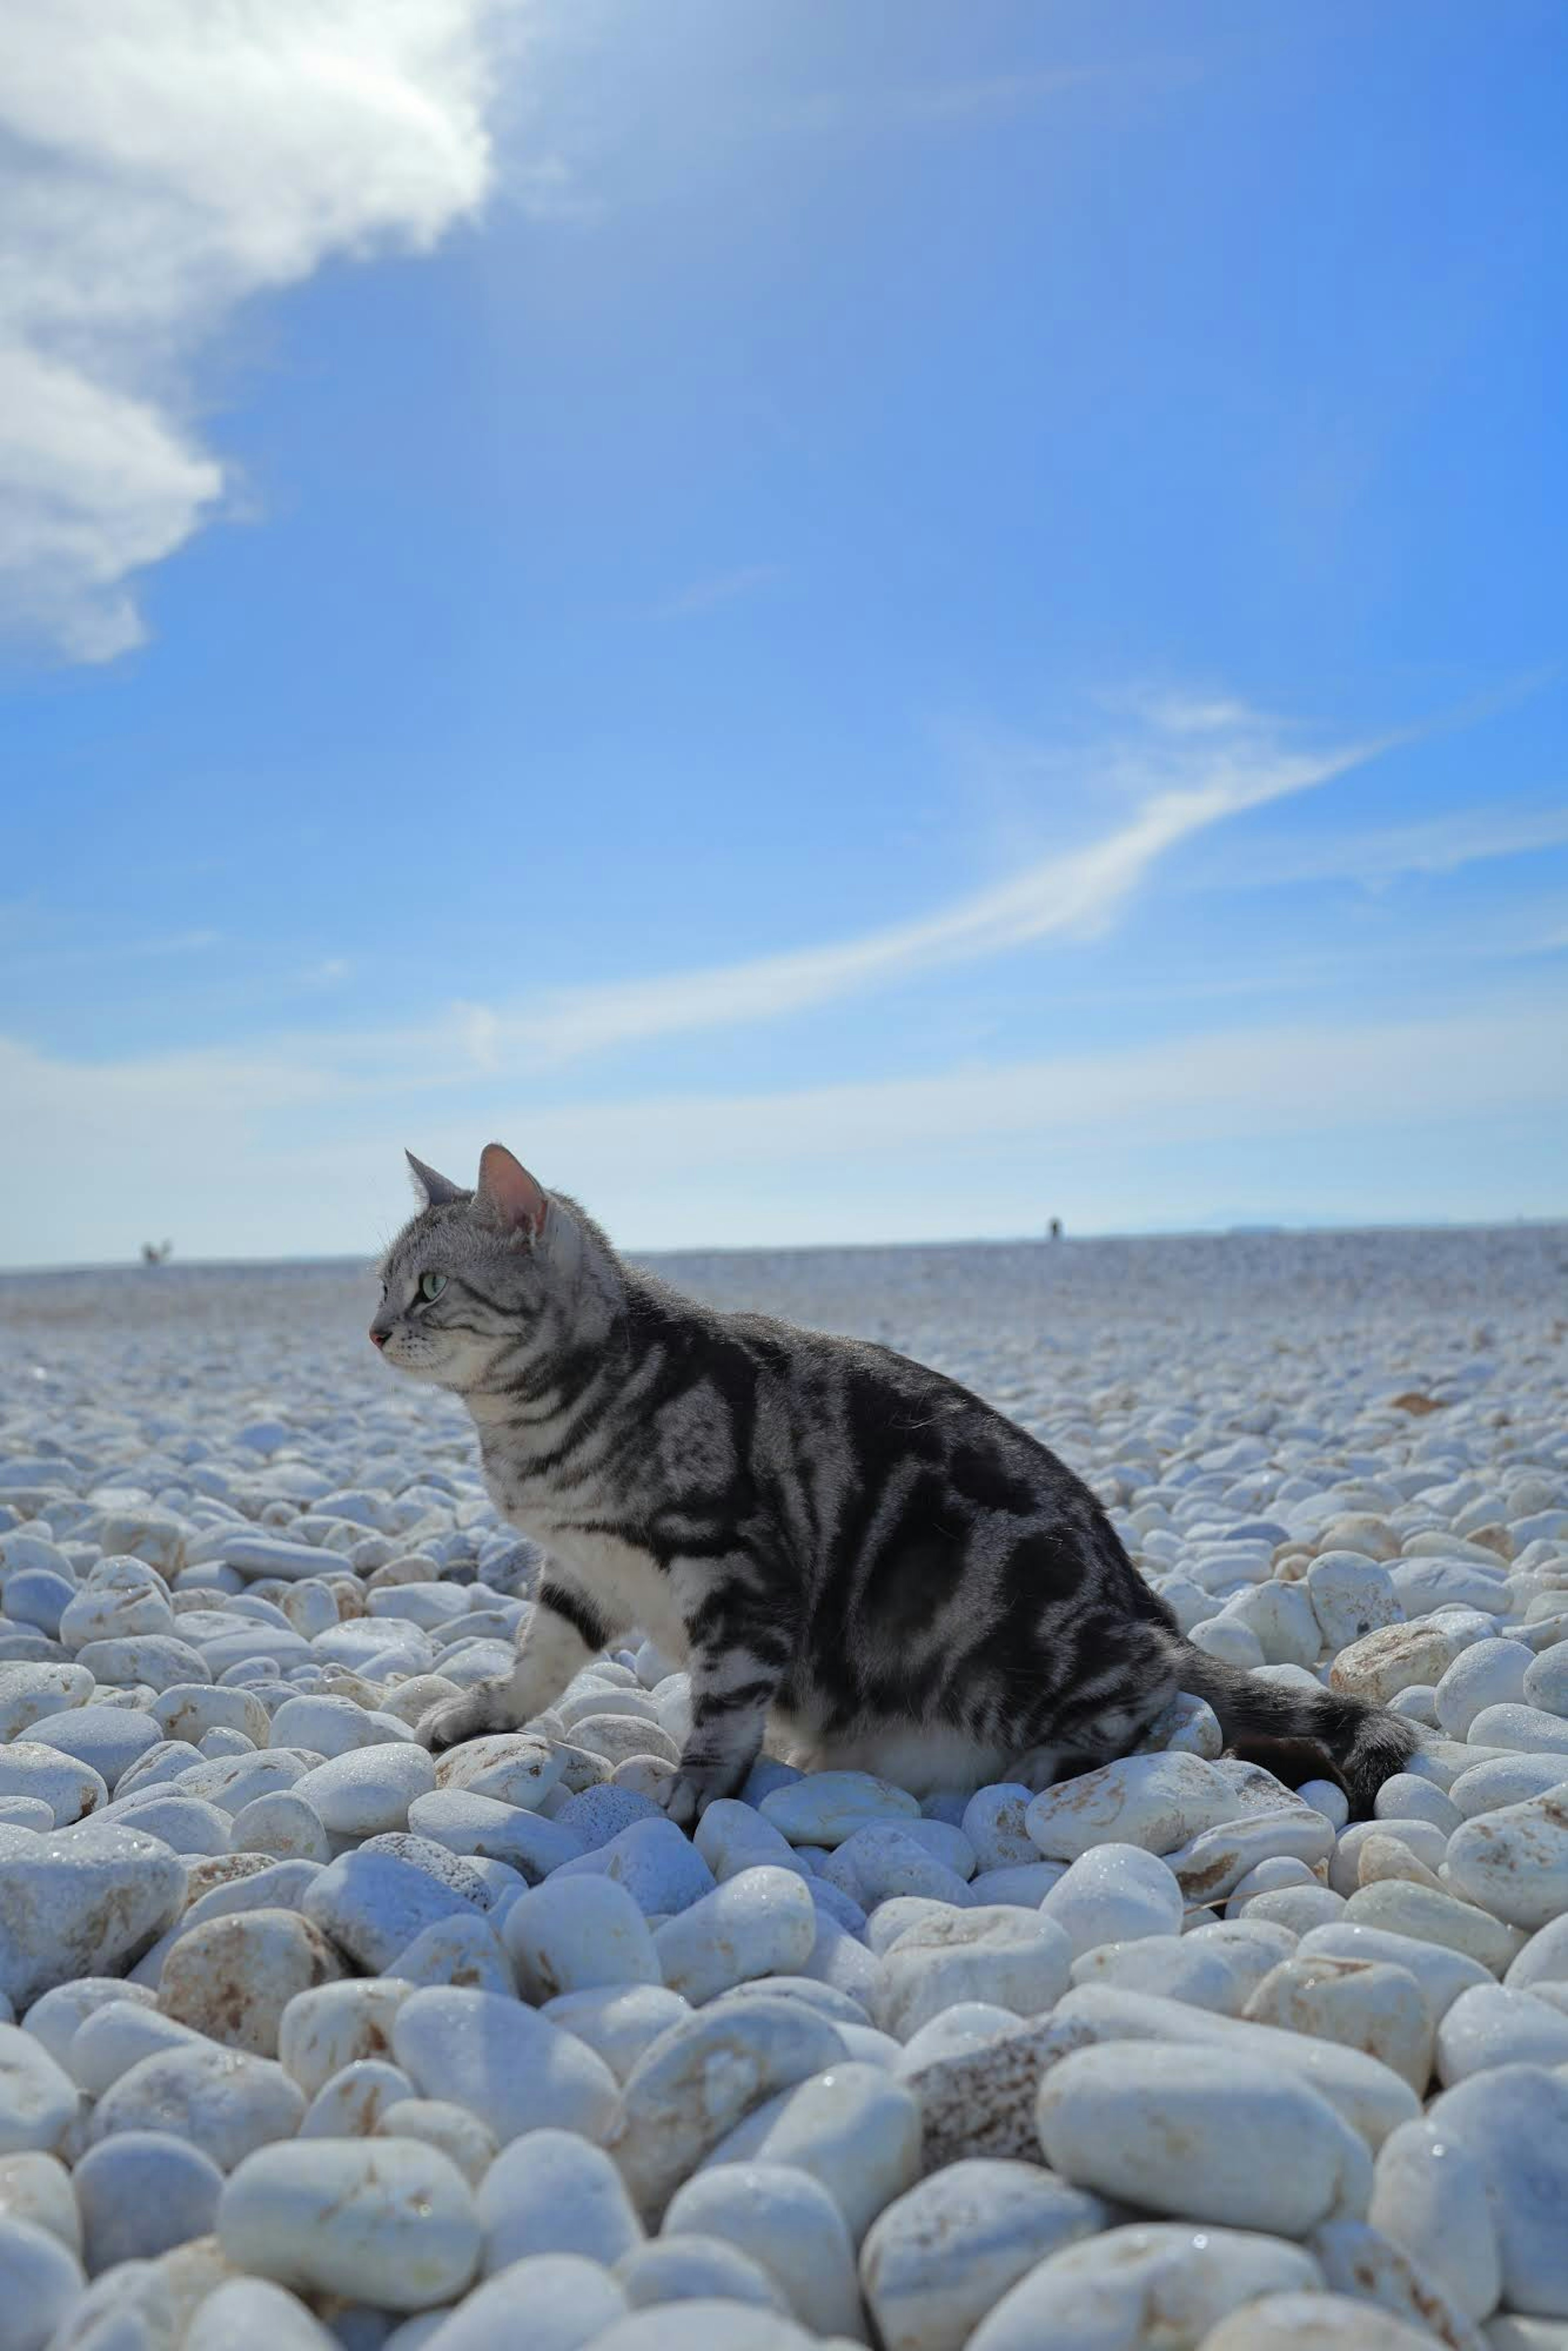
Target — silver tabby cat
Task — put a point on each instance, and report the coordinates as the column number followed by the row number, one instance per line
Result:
column 834, row 1539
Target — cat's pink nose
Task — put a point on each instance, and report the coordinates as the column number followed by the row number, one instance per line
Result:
column 379, row 1338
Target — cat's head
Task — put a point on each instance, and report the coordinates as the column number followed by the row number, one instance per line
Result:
column 467, row 1286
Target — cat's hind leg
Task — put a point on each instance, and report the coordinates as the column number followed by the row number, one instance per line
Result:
column 739, row 1652
column 564, row 1631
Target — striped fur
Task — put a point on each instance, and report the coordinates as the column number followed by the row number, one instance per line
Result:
column 830, row 1536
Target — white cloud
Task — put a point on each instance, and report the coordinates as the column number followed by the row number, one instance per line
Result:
column 1438, row 844
column 1189, row 769
column 160, row 161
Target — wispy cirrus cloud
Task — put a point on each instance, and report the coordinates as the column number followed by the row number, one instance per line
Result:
column 723, row 588
column 1434, row 845
column 1189, row 767
column 161, row 161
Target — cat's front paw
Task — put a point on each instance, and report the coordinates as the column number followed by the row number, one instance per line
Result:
column 455, row 1719
column 696, row 1786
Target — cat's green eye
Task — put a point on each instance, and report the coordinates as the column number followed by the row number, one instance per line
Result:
column 431, row 1285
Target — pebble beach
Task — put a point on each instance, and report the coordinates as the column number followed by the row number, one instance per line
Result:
column 310, row 2040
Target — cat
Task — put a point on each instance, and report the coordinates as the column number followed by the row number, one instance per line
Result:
column 837, row 1542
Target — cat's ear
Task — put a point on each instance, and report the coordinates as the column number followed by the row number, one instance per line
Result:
column 436, row 1191
column 516, row 1201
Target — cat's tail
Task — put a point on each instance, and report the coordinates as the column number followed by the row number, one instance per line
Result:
column 1366, row 1743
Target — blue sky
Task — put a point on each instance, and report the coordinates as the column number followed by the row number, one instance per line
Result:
column 841, row 623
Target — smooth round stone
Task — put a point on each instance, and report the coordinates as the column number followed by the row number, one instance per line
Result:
column 1133, row 2287
column 26, row 1812
column 39, row 1596
column 118, row 2036
column 505, row 2063
column 485, row 1828
column 1504, row 1780
column 762, row 1922
column 995, row 1821
column 704, row 2075
column 1426, row 1916
column 1364, row 2004
column 282, row 1825
column 1157, row 1802
column 1527, row 1729
column 122, row 1597
column 618, row 1738
column 1351, row 1596
column 36, row 2188
column 43, row 2280
column 968, row 2024
column 1403, row 1797
column 222, row 2101
column 1513, row 1862
column 618, row 2021
column 322, row 2032
column 1513, row 2121
column 191, row 1710
column 1361, row 1850
column 373, row 1902
column 937, row 2260
column 464, row 1952
column 1229, row 1640
column 1546, row 1680
column 38, row 2097
column 1383, row 1662
column 1365, row 2094
column 512, row 1766
column 1491, row 1673
column 853, row 2127
column 1490, row 2026
column 787, row 2223
column 185, row 1823
column 31, row 1693
column 245, row 2314
column 1115, row 1894
column 231, row 1978
column 733, row 1836
column 1025, row 1883
column 687, row 2268
column 1213, row 1976
column 553, row 2192
column 141, row 2193
column 576, row 1934
column 108, row 1739
column 1214, row 1864
column 570, row 2303
column 827, row 1807
column 162, row 1767
column 1314, row 2322
column 885, row 1860
column 367, row 1791
column 386, row 2220
column 355, row 2103
column 80, row 1901
column 331, row 1726
column 70, row 1789
column 154, row 1660
column 1164, row 2128
column 1429, row 2197
column 1015, row 1959
column 1542, row 1961
column 596, row 1809
column 458, row 2134
column 654, row 1861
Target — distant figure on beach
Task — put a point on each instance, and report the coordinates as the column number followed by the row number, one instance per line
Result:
column 151, row 1254
column 1056, row 1228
